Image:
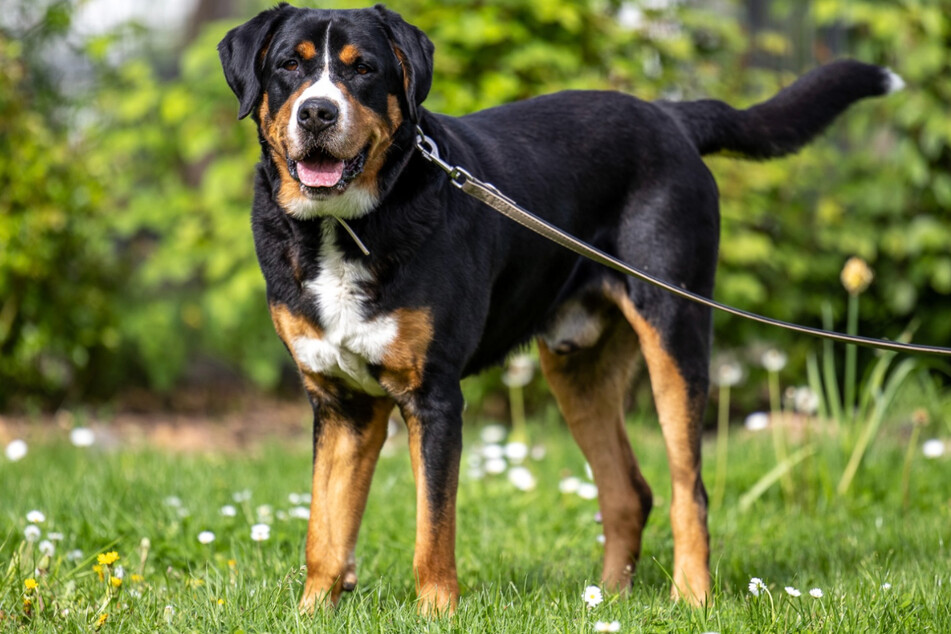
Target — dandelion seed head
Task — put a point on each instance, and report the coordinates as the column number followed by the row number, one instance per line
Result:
column 729, row 374
column 757, row 421
column 173, row 501
column 35, row 517
column 592, row 596
column 56, row 537
column 493, row 434
column 74, row 555
column 886, row 586
column 82, row 437
column 773, row 360
column 46, row 547
column 805, row 401
column 16, row 450
column 300, row 513
column 32, row 533
column 519, row 371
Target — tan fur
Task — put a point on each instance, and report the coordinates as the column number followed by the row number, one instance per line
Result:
column 590, row 387
column 434, row 558
column 349, row 54
column 680, row 420
column 404, row 358
column 344, row 461
column 306, row 50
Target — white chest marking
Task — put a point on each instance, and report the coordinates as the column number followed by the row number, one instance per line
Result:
column 350, row 341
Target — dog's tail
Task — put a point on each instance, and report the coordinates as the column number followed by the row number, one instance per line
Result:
column 792, row 118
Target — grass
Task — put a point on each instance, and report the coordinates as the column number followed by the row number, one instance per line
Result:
column 524, row 557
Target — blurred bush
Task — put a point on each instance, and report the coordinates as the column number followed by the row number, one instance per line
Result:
column 126, row 251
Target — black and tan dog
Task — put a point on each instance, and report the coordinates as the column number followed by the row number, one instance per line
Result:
column 450, row 287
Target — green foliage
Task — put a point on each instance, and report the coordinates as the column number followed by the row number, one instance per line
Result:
column 127, row 255
column 58, row 272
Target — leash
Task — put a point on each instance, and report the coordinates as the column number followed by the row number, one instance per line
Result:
column 491, row 196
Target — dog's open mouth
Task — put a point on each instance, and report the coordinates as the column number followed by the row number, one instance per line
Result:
column 320, row 173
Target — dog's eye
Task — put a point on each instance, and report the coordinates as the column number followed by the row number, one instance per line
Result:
column 290, row 64
column 362, row 69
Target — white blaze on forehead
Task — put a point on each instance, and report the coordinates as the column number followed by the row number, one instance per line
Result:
column 323, row 88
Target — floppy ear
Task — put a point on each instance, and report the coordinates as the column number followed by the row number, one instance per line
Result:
column 415, row 52
column 241, row 56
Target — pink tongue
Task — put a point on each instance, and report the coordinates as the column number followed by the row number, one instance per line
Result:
column 320, row 172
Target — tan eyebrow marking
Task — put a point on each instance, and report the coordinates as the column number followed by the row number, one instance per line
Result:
column 349, row 54
column 306, row 49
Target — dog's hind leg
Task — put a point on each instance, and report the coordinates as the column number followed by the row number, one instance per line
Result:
column 676, row 350
column 590, row 377
column 346, row 449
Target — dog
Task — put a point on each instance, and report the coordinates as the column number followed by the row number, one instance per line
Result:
column 450, row 288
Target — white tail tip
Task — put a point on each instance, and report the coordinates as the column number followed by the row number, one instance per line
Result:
column 893, row 82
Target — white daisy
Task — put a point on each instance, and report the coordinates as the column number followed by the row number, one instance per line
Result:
column 886, row 586
column 260, row 532
column 587, row 491
column 35, row 517
column 756, row 586
column 605, row 626
column 493, row 452
column 241, row 496
column 300, row 512
column 816, row 592
column 516, row 451
column 521, row 478
column 933, row 448
column 16, row 450
column 593, row 596
column 206, row 537
column 791, row 591
column 757, row 421
column 519, row 371
column 228, row 511
column 495, row 466
column 569, row 485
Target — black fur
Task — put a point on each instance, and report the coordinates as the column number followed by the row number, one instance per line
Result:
column 618, row 172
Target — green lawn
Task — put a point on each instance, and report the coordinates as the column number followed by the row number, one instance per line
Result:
column 525, row 557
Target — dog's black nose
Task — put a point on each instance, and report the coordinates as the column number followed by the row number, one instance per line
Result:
column 317, row 114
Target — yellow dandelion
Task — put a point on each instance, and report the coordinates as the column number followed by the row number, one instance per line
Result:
column 98, row 569
column 856, row 276
column 30, row 584
column 101, row 620
column 107, row 559
column 115, row 581
column 27, row 604
column 136, row 578
column 232, row 563
column 221, row 601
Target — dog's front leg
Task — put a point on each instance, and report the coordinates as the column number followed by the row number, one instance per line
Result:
column 348, row 436
column 435, row 443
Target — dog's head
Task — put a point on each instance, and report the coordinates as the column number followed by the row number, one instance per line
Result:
column 329, row 90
